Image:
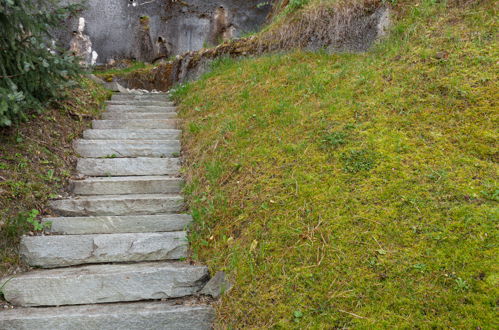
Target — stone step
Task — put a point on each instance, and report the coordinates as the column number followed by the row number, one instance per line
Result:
column 137, row 134
column 70, row 250
column 138, row 123
column 125, row 148
column 120, row 115
column 141, row 97
column 118, row 224
column 104, row 284
column 127, row 185
column 128, row 166
column 147, row 204
column 141, row 103
column 136, row 108
column 131, row 316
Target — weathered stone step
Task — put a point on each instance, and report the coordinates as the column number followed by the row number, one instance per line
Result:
column 141, row 103
column 104, row 283
column 132, row 124
column 142, row 97
column 128, row 166
column 142, row 108
column 146, row 204
column 127, row 185
column 120, row 115
column 70, row 250
column 125, row 148
column 137, row 134
column 131, row 316
column 118, row 224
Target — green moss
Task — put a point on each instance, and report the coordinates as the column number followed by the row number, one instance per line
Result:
column 353, row 190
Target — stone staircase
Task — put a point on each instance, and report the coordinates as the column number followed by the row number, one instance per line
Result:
column 111, row 260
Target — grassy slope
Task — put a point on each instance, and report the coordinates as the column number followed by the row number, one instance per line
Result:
column 353, row 190
column 36, row 160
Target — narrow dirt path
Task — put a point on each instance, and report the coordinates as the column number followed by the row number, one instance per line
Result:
column 111, row 258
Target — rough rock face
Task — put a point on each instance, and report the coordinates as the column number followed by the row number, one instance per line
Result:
column 118, row 29
column 353, row 30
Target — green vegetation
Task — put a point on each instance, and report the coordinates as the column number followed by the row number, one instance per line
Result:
column 132, row 67
column 353, row 190
column 36, row 160
column 31, row 73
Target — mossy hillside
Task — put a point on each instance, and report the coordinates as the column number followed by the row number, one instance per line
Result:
column 353, row 190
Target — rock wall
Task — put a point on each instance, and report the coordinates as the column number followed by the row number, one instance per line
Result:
column 333, row 29
column 150, row 29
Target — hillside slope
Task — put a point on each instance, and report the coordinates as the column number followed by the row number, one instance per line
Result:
column 353, row 190
column 36, row 162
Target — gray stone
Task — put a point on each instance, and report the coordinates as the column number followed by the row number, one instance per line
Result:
column 95, row 79
column 139, row 103
column 143, row 123
column 120, row 224
column 104, row 283
column 130, row 316
column 141, row 108
column 125, row 148
column 119, row 205
column 137, row 134
column 122, row 115
column 141, row 97
column 80, row 46
column 114, row 86
column 127, row 185
column 69, row 250
column 217, row 286
column 114, row 25
column 128, row 166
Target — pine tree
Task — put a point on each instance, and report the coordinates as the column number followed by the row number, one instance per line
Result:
column 32, row 72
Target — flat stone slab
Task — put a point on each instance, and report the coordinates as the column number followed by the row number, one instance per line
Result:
column 146, row 204
column 130, row 316
column 128, row 166
column 141, row 108
column 125, row 148
column 137, row 134
column 70, row 250
column 104, row 284
column 141, row 97
column 127, row 185
column 141, row 103
column 121, row 115
column 118, row 224
column 137, row 123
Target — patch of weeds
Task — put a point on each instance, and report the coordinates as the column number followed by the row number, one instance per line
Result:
column 23, row 223
column 112, row 156
column 213, row 171
column 355, row 161
column 297, row 316
column 50, row 176
column 491, row 194
column 461, row 285
column 437, row 175
column 194, row 128
column 334, row 139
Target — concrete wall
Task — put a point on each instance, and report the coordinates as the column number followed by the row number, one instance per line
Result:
column 174, row 27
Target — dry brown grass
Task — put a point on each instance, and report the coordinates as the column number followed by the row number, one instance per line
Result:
column 320, row 25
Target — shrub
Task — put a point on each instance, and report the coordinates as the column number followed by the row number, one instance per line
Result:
column 32, row 71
